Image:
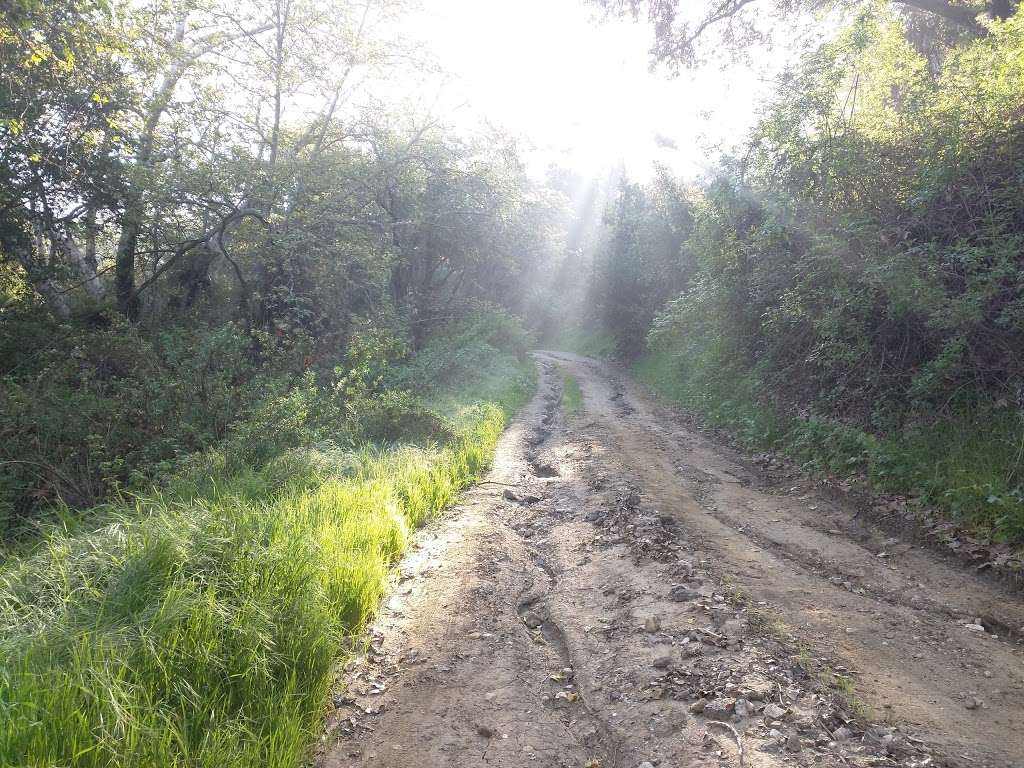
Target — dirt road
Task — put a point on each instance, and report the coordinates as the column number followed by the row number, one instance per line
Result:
column 625, row 592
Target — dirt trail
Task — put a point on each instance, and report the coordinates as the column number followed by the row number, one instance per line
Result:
column 625, row 591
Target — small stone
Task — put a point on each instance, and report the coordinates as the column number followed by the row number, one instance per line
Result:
column 652, row 624
column 793, row 743
column 975, row 627
column 734, row 628
column 774, row 712
column 485, row 730
column 759, row 690
column 680, row 594
column 529, row 498
column 509, row 494
column 698, row 706
column 532, row 620
column 842, row 734
column 720, row 707
column 973, row 703
column 743, row 708
column 646, row 764
column 662, row 661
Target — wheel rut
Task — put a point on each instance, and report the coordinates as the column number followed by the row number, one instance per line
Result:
column 624, row 592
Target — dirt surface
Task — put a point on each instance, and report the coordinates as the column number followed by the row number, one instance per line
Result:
column 623, row 591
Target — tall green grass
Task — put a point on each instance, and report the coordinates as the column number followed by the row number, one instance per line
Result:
column 203, row 629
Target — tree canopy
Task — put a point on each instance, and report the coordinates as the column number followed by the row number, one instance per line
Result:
column 687, row 34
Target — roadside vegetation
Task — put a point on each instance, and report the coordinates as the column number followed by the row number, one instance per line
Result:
column 231, row 590
column 847, row 288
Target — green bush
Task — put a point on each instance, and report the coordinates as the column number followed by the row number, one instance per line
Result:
column 90, row 410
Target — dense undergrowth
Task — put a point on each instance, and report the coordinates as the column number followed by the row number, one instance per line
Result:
column 199, row 623
column 848, row 287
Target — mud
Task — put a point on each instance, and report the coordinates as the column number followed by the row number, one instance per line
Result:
column 625, row 590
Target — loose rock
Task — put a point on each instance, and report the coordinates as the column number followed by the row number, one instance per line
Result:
column 662, row 661
column 681, row 594
column 743, row 708
column 532, row 620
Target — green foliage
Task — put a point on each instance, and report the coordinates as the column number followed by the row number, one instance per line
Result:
column 201, row 625
column 854, row 294
column 88, row 410
column 478, row 352
column 636, row 268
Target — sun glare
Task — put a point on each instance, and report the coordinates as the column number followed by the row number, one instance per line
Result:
column 580, row 93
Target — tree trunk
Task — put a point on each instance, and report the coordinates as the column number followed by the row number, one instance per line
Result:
column 84, row 265
column 964, row 16
column 1001, row 9
column 124, row 262
column 38, row 276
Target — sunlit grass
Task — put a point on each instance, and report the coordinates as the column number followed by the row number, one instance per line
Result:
column 205, row 631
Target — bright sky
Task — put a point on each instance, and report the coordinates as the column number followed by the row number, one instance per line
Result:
column 579, row 91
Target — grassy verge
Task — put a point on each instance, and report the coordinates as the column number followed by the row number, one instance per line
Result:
column 572, row 396
column 203, row 628
column 968, row 465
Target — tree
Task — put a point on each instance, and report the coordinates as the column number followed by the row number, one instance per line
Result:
column 683, row 31
column 639, row 265
column 60, row 138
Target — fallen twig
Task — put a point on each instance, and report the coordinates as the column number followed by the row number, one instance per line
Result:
column 734, row 732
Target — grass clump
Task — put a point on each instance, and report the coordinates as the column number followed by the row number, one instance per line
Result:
column 572, row 396
column 201, row 625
